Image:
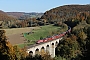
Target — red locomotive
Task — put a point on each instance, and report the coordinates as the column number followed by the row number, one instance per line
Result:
column 54, row 37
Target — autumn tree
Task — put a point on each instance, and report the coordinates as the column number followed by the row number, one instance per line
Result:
column 6, row 49
column 9, row 52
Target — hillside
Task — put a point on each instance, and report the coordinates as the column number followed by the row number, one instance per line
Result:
column 15, row 14
column 4, row 16
column 23, row 15
column 19, row 19
column 6, row 20
column 67, row 12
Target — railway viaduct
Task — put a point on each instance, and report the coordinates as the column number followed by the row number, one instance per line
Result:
column 48, row 47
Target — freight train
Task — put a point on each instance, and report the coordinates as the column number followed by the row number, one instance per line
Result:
column 54, row 37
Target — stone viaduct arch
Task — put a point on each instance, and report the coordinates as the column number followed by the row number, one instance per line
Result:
column 48, row 47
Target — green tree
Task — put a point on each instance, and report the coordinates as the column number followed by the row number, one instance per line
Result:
column 68, row 48
column 81, row 39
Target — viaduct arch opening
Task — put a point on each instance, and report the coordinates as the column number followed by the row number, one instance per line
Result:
column 48, row 49
column 37, row 51
column 42, row 51
column 56, row 43
column 52, row 45
column 30, row 53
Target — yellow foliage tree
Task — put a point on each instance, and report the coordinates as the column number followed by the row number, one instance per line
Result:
column 9, row 52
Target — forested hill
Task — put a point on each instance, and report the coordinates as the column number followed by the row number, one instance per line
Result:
column 5, row 17
column 67, row 12
column 6, row 20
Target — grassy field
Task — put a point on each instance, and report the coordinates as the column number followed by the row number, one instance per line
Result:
column 24, row 45
column 43, row 32
column 17, row 30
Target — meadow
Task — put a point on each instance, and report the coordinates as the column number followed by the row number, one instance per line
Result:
column 43, row 32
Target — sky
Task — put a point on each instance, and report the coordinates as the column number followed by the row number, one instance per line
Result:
column 35, row 5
